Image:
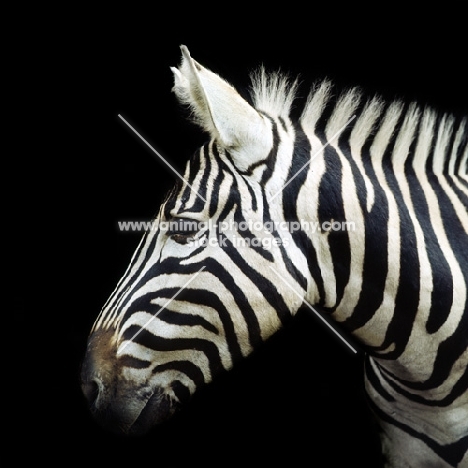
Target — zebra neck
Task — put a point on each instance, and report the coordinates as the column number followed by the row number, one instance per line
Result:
column 368, row 193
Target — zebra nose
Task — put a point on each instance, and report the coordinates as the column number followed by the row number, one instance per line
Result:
column 91, row 388
column 107, row 409
column 91, row 385
column 98, row 369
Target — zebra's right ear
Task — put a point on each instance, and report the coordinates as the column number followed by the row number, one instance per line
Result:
column 220, row 110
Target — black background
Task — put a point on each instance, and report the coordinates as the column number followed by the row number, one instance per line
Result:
column 299, row 399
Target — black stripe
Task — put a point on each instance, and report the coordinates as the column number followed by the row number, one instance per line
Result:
column 192, row 164
column 130, row 361
column 448, row 353
column 184, row 319
column 267, row 290
column 188, row 368
column 205, row 298
column 323, row 120
column 171, row 200
column 462, row 196
column 195, row 163
column 462, row 148
column 375, row 266
column 143, row 303
column 145, row 338
column 270, row 161
column 230, row 283
column 407, row 295
column 283, row 123
column 331, row 209
column 463, row 124
column 301, row 156
column 442, row 294
column 442, row 288
column 358, row 178
column 251, row 240
column 447, row 151
column 458, row 389
column 374, row 380
column 217, row 181
column 181, row 391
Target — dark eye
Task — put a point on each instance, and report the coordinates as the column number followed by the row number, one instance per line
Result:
column 182, row 230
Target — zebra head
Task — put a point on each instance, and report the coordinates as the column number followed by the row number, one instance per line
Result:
column 212, row 280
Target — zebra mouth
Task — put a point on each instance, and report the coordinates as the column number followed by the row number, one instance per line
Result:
column 159, row 408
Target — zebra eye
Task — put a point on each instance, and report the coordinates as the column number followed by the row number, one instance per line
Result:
column 182, row 230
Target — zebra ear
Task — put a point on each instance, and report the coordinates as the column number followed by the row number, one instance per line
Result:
column 221, row 111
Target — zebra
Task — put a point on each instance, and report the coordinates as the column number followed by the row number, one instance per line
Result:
column 223, row 269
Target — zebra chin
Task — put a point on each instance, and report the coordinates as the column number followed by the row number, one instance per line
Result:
column 158, row 409
column 134, row 417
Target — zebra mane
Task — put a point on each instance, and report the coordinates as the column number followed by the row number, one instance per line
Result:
column 446, row 135
column 273, row 93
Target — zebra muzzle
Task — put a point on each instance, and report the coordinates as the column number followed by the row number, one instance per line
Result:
column 127, row 411
column 116, row 403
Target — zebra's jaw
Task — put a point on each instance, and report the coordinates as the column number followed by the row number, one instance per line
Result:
column 115, row 402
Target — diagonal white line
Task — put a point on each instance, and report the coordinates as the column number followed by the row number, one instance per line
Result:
column 162, row 159
column 334, row 137
column 315, row 312
column 162, row 308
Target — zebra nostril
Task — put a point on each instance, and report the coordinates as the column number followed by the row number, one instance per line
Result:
column 91, row 390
